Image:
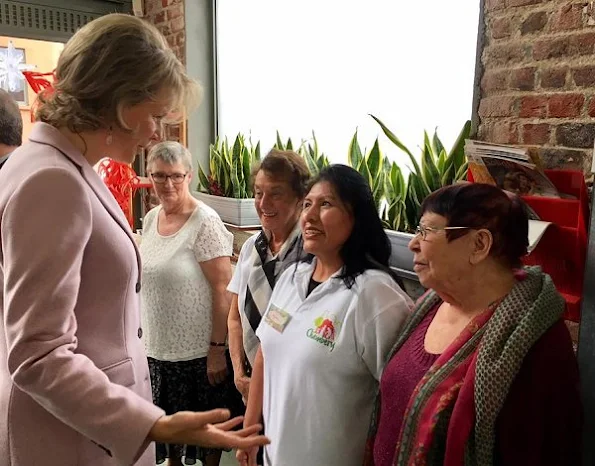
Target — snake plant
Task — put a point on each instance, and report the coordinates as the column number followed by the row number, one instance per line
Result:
column 438, row 168
column 230, row 168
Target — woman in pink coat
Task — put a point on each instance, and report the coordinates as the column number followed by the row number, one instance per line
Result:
column 74, row 381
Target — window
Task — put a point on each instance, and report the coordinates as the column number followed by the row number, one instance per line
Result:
column 324, row 66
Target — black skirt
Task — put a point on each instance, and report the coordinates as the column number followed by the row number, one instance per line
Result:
column 184, row 386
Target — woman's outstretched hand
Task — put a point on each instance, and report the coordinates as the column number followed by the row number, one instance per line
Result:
column 210, row 429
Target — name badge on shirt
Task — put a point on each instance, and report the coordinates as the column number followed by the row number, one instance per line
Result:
column 277, row 318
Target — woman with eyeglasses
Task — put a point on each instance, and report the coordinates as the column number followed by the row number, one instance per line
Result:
column 484, row 372
column 185, row 251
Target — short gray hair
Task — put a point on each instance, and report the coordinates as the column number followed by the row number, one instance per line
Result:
column 170, row 152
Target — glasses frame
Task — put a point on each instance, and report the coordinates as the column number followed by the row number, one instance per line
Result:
column 422, row 231
column 169, row 177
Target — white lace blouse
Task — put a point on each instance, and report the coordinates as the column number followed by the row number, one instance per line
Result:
column 176, row 296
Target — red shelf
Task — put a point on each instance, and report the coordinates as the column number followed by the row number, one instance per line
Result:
column 562, row 251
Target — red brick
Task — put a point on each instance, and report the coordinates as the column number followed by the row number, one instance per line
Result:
column 592, row 107
column 159, row 18
column 501, row 106
column 181, row 38
column 581, row 44
column 523, row 79
column 504, row 54
column 553, row 78
column 501, row 28
column 533, row 106
column 171, row 40
column 569, row 16
column 565, row 105
column 514, row 3
column 536, row 134
column 164, row 3
column 550, row 48
column 175, row 12
column 535, row 22
column 584, row 76
column 493, row 5
column 499, row 132
column 494, row 81
column 177, row 25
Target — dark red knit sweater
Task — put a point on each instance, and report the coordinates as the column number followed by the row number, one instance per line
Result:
column 540, row 422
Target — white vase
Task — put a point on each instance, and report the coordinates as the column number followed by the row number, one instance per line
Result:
column 401, row 258
column 237, row 212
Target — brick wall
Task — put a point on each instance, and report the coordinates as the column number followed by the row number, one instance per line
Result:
column 538, row 82
column 168, row 16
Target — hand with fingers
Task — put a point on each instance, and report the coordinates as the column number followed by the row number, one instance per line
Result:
column 247, row 456
column 212, row 429
column 216, row 365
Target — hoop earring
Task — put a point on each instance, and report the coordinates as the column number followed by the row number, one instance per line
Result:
column 109, row 139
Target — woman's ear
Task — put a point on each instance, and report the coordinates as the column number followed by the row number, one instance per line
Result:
column 482, row 245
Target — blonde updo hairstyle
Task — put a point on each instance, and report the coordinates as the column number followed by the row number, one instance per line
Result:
column 113, row 62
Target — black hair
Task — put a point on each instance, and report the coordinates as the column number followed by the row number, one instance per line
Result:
column 11, row 123
column 368, row 246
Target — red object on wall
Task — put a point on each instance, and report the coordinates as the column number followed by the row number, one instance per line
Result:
column 562, row 250
column 122, row 182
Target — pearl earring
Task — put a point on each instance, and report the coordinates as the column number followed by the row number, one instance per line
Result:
column 109, row 139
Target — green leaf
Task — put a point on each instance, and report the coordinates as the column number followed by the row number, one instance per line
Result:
column 374, row 160
column 365, row 172
column 397, row 142
column 246, row 168
column 311, row 163
column 398, row 182
column 430, row 172
column 461, row 174
column 437, row 143
column 448, row 175
column 279, row 143
column 428, row 145
column 457, row 153
column 256, row 154
column 289, row 145
column 203, row 181
column 354, row 156
column 441, row 161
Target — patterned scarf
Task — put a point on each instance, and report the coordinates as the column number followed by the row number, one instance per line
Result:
column 452, row 413
column 261, row 282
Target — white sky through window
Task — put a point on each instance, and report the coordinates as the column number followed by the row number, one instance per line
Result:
column 324, row 65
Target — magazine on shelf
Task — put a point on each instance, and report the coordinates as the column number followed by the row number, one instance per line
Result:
column 509, row 168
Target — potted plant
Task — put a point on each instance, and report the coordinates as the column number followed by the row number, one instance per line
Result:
column 227, row 188
column 399, row 202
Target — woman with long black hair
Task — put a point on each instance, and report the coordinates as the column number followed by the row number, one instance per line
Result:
column 329, row 325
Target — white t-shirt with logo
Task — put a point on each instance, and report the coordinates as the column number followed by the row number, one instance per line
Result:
column 176, row 297
column 321, row 371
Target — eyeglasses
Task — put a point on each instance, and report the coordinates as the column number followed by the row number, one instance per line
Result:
column 161, row 178
column 424, row 230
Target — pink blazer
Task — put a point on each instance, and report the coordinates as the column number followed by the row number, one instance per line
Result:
column 74, row 381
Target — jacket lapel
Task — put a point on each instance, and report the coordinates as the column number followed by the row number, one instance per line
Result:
column 43, row 133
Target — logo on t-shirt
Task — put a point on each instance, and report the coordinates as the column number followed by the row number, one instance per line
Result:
column 324, row 331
